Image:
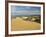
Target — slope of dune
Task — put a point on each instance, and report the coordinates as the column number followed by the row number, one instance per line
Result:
column 19, row 24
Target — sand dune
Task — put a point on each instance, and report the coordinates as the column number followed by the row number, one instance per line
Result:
column 20, row 24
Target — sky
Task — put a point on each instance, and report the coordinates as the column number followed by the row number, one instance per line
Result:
column 24, row 10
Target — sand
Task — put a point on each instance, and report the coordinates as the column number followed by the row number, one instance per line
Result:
column 19, row 24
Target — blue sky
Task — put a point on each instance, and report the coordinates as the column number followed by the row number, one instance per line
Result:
column 25, row 10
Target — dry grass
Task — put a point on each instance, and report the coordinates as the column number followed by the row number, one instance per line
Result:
column 19, row 24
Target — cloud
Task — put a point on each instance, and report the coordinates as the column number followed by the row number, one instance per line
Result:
column 26, row 13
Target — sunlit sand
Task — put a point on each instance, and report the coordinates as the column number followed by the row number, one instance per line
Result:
column 19, row 24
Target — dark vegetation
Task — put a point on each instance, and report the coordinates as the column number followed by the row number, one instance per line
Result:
column 31, row 18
